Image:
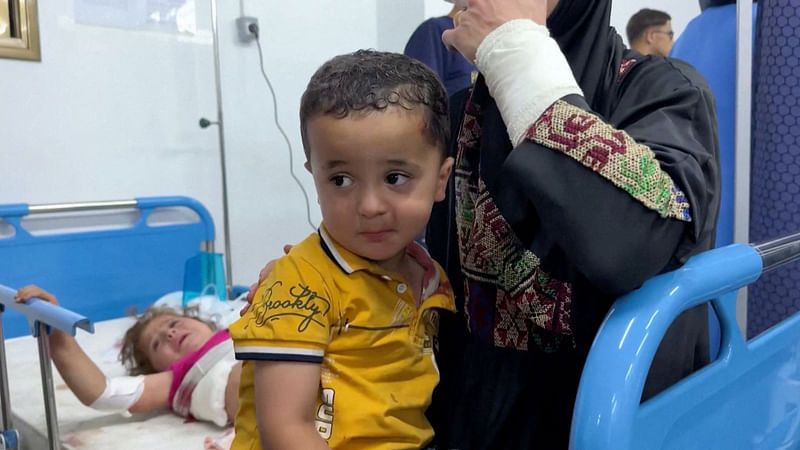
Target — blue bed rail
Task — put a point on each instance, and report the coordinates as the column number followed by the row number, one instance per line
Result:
column 42, row 317
column 749, row 397
column 102, row 272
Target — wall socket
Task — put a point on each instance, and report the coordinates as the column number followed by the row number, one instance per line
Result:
column 242, row 24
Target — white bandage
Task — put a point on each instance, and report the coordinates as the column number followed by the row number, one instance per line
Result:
column 525, row 72
column 208, row 397
column 120, row 394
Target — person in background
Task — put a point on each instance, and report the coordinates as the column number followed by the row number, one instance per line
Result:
column 650, row 32
column 158, row 351
column 709, row 44
column 338, row 341
column 582, row 170
column 425, row 45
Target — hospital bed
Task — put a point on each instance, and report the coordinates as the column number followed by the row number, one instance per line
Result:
column 747, row 398
column 102, row 260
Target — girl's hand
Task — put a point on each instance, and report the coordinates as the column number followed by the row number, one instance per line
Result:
column 31, row 291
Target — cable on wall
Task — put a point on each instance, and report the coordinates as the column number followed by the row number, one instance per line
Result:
column 253, row 28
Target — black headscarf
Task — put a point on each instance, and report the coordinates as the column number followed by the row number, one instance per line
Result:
column 593, row 49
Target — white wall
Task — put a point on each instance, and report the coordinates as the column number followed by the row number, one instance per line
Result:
column 396, row 21
column 435, row 8
column 112, row 114
column 107, row 114
column 267, row 209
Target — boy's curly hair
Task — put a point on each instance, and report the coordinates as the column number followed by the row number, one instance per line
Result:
column 131, row 355
column 369, row 80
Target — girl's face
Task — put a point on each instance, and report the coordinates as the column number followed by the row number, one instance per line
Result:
column 169, row 338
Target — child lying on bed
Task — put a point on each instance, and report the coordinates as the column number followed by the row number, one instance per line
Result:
column 174, row 362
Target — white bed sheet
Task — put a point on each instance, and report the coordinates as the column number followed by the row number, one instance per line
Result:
column 81, row 427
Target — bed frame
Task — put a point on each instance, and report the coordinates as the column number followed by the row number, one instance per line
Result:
column 748, row 398
column 102, row 260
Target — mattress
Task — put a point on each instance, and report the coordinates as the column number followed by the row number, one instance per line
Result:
column 81, row 427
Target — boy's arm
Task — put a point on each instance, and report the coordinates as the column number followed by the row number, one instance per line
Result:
column 285, row 397
column 82, row 375
column 232, row 391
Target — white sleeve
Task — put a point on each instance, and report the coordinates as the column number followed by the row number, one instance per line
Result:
column 525, row 72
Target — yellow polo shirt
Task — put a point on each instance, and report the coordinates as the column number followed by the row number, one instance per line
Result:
column 323, row 304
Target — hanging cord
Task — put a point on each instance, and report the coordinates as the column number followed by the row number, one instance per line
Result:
column 254, row 29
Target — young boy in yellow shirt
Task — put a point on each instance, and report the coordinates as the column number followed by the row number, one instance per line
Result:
column 338, row 343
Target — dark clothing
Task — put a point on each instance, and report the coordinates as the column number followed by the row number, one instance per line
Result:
column 425, row 45
column 539, row 240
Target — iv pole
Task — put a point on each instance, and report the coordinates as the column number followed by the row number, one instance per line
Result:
column 220, row 125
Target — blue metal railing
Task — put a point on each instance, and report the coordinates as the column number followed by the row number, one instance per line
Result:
column 42, row 318
column 719, row 406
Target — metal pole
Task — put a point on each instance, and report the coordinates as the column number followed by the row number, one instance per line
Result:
column 81, row 206
column 780, row 251
column 5, row 398
column 744, row 87
column 221, row 126
column 47, row 388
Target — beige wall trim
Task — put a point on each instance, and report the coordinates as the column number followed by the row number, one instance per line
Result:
column 22, row 41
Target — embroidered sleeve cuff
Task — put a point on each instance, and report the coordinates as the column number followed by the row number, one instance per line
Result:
column 525, row 72
column 613, row 154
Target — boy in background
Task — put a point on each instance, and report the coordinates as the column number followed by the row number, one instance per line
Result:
column 338, row 343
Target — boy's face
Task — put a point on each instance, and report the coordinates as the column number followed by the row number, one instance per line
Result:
column 377, row 176
column 169, row 338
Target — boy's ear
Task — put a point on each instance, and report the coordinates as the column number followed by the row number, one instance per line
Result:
column 444, row 175
column 307, row 165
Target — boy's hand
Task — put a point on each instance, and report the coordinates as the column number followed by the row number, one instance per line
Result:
column 481, row 17
column 261, row 276
column 31, row 291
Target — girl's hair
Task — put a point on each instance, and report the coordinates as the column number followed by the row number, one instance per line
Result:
column 131, row 355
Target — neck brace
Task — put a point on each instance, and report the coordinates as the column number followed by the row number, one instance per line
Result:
column 200, row 378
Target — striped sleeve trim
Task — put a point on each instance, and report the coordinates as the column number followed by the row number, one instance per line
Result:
column 279, row 354
column 611, row 153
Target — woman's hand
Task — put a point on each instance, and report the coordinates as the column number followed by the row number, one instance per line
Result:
column 481, row 17
column 261, row 276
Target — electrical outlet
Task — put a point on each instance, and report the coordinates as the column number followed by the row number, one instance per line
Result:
column 243, row 25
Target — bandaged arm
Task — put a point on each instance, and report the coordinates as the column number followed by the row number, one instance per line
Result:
column 525, row 72
column 88, row 382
